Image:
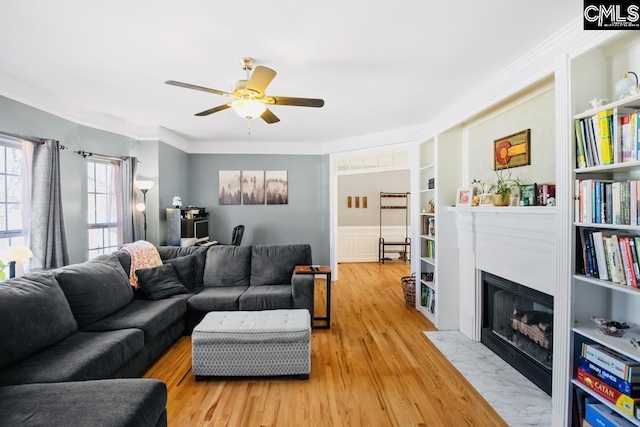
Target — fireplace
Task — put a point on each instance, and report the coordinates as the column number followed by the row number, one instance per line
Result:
column 517, row 324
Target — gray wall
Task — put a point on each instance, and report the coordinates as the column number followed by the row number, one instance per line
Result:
column 370, row 185
column 18, row 118
column 194, row 177
column 304, row 220
column 173, row 165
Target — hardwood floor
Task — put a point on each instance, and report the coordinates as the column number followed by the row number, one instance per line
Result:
column 374, row 367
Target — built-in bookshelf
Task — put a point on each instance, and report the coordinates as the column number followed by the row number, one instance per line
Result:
column 426, row 283
column 436, row 264
column 606, row 197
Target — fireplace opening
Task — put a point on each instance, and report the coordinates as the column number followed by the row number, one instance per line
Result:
column 517, row 325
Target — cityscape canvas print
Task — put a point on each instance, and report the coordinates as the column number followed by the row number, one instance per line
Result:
column 229, row 192
column 277, row 187
column 253, row 187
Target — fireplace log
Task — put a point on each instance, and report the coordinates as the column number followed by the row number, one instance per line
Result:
column 539, row 333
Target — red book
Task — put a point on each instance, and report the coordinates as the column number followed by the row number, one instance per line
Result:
column 630, row 273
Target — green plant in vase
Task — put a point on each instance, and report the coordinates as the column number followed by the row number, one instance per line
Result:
column 3, row 275
column 502, row 189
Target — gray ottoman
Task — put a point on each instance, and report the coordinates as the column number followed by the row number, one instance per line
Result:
column 252, row 343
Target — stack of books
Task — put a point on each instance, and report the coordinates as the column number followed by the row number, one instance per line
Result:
column 611, row 376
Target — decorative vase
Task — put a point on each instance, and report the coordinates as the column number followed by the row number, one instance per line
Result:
column 501, row 200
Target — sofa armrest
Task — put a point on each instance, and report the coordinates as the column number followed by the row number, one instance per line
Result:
column 303, row 291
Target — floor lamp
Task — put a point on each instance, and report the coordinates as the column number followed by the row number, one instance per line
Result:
column 144, row 186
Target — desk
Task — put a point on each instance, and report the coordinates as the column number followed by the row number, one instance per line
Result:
column 320, row 270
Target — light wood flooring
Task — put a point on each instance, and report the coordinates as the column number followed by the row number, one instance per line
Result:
column 374, row 367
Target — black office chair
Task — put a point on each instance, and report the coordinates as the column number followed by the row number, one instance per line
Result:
column 236, row 236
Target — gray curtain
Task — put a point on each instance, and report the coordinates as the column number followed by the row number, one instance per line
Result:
column 127, row 198
column 47, row 240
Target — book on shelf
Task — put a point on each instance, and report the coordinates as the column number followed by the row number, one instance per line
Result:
column 615, row 258
column 619, row 365
column 581, row 161
column 604, row 135
column 600, row 415
column 625, row 250
column 601, row 257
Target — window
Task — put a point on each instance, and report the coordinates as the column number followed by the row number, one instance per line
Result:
column 102, row 207
column 10, row 194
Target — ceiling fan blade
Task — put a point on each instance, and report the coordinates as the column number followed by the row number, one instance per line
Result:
column 298, row 102
column 213, row 110
column 260, row 79
column 269, row 117
column 202, row 88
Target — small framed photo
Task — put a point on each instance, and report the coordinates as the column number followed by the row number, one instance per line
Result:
column 529, row 195
column 464, row 196
column 486, row 199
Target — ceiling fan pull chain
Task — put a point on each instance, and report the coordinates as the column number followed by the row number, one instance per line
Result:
column 248, row 127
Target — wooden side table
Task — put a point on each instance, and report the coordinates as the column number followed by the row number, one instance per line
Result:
column 321, row 270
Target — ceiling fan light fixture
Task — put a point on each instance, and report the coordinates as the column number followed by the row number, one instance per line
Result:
column 248, row 108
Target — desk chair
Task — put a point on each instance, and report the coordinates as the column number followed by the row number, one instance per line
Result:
column 236, row 235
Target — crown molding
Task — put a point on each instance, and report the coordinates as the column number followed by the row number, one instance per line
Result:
column 18, row 90
column 217, row 147
column 378, row 139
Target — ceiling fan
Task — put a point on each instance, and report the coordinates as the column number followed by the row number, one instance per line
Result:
column 250, row 100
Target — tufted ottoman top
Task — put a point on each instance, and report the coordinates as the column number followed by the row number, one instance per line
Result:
column 253, row 326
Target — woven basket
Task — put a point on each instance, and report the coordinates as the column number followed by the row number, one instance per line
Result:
column 409, row 289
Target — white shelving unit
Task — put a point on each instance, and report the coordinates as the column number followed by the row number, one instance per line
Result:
column 437, row 296
column 426, row 286
column 595, row 73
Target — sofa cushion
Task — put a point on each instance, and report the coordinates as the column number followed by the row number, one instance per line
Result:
column 274, row 264
column 125, row 260
column 216, row 299
column 81, row 356
column 121, row 402
column 95, row 288
column 266, row 297
column 160, row 282
column 151, row 317
column 184, row 269
column 34, row 314
column 169, row 252
column 227, row 266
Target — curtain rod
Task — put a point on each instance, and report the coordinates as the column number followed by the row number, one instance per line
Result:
column 86, row 154
column 34, row 139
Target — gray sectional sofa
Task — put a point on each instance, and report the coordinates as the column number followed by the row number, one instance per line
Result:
column 72, row 338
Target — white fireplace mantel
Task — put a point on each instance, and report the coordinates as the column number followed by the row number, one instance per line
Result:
column 516, row 243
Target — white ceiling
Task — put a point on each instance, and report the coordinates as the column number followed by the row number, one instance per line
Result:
column 379, row 65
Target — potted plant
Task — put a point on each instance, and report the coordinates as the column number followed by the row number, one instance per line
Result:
column 503, row 187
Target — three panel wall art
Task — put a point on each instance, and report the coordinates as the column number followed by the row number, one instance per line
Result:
column 253, row 188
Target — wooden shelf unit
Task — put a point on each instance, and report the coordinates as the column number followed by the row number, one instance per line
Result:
column 400, row 247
